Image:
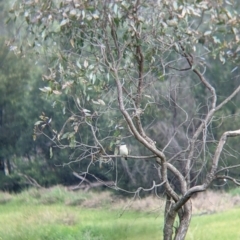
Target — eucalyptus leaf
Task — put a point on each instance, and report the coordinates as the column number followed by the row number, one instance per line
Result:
column 37, row 123
column 64, row 22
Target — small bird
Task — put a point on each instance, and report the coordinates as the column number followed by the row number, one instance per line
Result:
column 123, row 150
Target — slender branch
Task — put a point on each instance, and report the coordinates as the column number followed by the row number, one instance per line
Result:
column 228, row 99
column 151, row 188
column 140, row 61
column 180, row 70
column 139, row 137
column 114, row 36
column 207, row 119
column 95, row 137
column 161, row 159
column 226, row 168
column 129, row 156
column 30, row 180
column 228, row 178
column 180, row 177
column 212, row 174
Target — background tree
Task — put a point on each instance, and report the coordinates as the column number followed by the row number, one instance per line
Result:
column 139, row 71
column 23, row 161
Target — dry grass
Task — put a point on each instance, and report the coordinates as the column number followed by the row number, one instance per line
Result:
column 5, row 197
column 203, row 203
column 68, row 219
column 149, row 204
column 100, row 199
column 211, row 202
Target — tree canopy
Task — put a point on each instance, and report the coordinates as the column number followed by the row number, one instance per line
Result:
column 142, row 72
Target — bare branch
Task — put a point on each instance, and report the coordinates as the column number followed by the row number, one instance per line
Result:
column 228, row 99
column 212, row 174
column 180, row 177
column 161, row 159
column 83, row 179
column 31, row 180
column 226, row 168
column 228, row 178
column 205, row 121
column 129, row 156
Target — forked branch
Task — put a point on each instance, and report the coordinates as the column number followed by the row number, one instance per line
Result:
column 212, row 173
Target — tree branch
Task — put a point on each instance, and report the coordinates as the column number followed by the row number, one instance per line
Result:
column 226, row 168
column 205, row 121
column 161, row 159
column 228, row 178
column 212, row 174
column 129, row 156
column 228, row 99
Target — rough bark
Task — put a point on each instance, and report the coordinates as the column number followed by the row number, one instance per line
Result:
column 184, row 216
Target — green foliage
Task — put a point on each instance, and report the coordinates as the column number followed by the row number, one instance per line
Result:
column 19, row 109
column 15, row 104
column 136, row 71
column 11, row 182
column 88, row 46
column 234, row 191
column 85, row 73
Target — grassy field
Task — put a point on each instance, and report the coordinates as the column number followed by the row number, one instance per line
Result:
column 219, row 226
column 60, row 215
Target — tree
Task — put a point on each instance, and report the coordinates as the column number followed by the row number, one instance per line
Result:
column 136, row 70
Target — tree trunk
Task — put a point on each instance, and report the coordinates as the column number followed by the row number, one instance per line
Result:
column 184, row 219
column 184, row 215
column 169, row 218
column 6, row 167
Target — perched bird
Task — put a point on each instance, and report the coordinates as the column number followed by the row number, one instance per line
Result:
column 123, row 150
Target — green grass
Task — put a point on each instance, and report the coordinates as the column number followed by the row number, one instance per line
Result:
column 66, row 222
column 220, row 226
column 57, row 214
column 234, row 191
column 35, row 215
